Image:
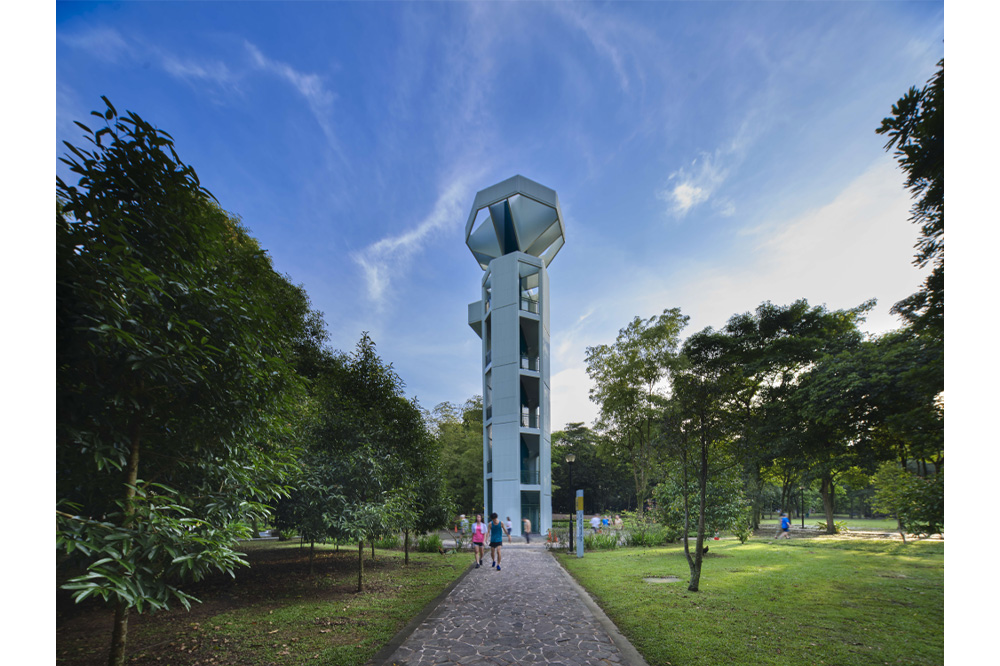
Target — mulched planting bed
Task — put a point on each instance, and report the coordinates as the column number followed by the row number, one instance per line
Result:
column 273, row 612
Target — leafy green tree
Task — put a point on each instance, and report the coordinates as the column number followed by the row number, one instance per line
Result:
column 916, row 502
column 916, row 132
column 607, row 481
column 459, row 434
column 173, row 382
column 368, row 460
column 727, row 508
column 861, row 405
column 764, row 354
column 697, row 434
column 628, row 386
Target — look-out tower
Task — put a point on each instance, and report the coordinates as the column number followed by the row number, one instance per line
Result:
column 514, row 231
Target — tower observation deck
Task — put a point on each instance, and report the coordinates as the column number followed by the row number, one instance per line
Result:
column 514, row 231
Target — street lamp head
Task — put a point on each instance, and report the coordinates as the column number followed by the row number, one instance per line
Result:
column 570, row 457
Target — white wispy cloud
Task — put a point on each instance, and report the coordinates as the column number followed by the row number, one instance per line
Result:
column 111, row 46
column 462, row 84
column 310, row 86
column 100, row 42
column 856, row 246
column 689, row 187
column 215, row 72
column 609, row 36
column 390, row 257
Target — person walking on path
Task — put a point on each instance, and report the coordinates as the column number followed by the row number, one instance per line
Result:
column 509, row 525
column 497, row 530
column 478, row 539
column 526, row 526
column 595, row 523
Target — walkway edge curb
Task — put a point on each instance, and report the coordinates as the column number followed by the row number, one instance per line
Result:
column 631, row 656
column 382, row 656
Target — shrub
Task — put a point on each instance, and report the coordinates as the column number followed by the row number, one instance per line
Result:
column 389, row 542
column 743, row 531
column 839, row 526
column 601, row 541
column 430, row 543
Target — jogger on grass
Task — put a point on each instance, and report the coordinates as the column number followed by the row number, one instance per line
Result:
column 478, row 537
column 497, row 530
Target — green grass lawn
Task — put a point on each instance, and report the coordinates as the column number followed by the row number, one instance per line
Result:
column 806, row 601
column 881, row 524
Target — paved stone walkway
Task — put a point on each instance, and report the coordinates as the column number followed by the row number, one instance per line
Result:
column 529, row 612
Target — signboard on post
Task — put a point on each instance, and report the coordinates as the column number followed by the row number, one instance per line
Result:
column 579, row 523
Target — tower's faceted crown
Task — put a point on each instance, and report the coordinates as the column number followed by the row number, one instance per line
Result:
column 517, row 215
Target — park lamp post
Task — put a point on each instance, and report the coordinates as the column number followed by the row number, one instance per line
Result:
column 802, row 505
column 570, row 458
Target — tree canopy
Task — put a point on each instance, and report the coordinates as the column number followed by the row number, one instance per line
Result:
column 173, row 382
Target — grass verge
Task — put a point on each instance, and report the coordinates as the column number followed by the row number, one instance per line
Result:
column 816, row 601
column 275, row 612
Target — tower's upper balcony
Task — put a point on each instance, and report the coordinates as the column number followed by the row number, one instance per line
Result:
column 517, row 215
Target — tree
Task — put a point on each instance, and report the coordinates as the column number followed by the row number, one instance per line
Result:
column 369, row 461
column 173, row 334
column 765, row 353
column 865, row 404
column 916, row 503
column 605, row 478
column 697, row 433
column 628, row 381
column 916, row 132
column 726, row 505
column 459, row 434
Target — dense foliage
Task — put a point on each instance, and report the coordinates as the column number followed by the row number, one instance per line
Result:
column 173, row 379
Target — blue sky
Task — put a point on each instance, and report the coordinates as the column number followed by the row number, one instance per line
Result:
column 707, row 155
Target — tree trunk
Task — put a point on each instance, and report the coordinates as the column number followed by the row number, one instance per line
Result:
column 312, row 545
column 119, row 632
column 826, row 491
column 695, row 564
column 361, row 565
column 406, row 546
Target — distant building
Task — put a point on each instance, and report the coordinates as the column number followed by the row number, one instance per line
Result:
column 514, row 231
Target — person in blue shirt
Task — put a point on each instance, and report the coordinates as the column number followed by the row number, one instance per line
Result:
column 497, row 531
column 786, row 524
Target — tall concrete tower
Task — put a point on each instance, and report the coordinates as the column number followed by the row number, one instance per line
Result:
column 514, row 231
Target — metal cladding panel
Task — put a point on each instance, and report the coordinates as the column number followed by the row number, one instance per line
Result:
column 506, row 281
column 507, row 502
column 506, row 452
column 506, row 397
column 506, row 344
column 476, row 317
column 544, row 295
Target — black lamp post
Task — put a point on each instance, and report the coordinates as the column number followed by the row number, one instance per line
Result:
column 802, row 505
column 570, row 457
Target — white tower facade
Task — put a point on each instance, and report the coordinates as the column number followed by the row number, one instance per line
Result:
column 514, row 231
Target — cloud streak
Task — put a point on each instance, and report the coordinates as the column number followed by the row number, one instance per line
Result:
column 689, row 187
column 387, row 259
column 310, row 86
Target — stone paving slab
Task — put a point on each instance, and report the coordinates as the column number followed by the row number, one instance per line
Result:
column 530, row 612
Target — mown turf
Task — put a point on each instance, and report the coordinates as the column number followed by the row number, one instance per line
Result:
column 807, row 601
